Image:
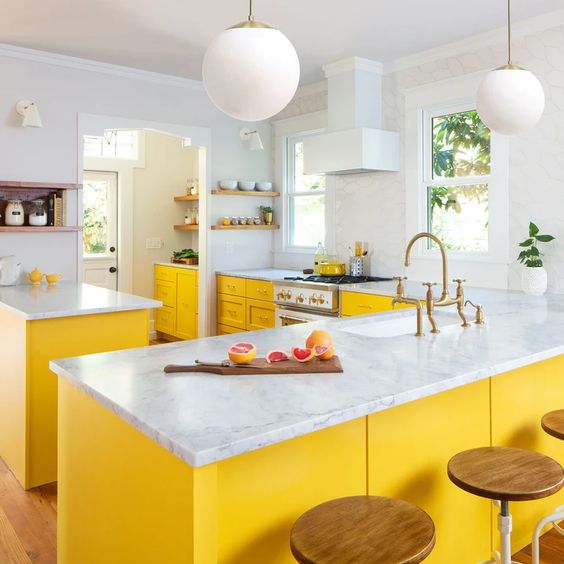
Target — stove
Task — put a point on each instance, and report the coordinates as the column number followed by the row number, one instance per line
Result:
column 315, row 294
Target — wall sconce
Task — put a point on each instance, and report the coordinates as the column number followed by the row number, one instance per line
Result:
column 255, row 142
column 29, row 112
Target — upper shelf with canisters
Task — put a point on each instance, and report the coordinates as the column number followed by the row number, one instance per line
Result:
column 52, row 197
column 245, row 193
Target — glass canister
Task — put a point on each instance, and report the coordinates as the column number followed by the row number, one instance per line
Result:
column 15, row 213
column 38, row 214
column 225, row 221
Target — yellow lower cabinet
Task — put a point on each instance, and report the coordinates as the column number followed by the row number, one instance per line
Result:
column 186, row 305
column 227, row 330
column 231, row 311
column 165, row 291
column 409, row 447
column 356, row 303
column 260, row 315
column 519, row 400
column 259, row 290
column 164, row 320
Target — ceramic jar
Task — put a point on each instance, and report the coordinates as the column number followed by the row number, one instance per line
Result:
column 534, row 280
column 15, row 213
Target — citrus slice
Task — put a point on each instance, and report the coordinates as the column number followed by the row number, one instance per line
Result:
column 320, row 338
column 323, row 352
column 277, row 356
column 242, row 353
column 302, row 355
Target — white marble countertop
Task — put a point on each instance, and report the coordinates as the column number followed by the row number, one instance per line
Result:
column 67, row 299
column 262, row 273
column 178, row 265
column 204, row 418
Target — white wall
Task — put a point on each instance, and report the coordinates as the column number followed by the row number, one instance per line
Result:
column 62, row 88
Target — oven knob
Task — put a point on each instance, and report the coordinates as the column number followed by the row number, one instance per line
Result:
column 313, row 299
column 288, row 295
column 280, row 295
column 321, row 299
column 300, row 299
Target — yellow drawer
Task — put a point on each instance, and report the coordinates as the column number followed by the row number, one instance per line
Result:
column 260, row 290
column 260, row 315
column 165, row 273
column 164, row 320
column 231, row 311
column 165, row 292
column 231, row 285
column 354, row 303
column 226, row 330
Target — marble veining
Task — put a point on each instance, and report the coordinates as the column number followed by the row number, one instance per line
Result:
column 68, row 299
column 205, row 418
column 262, row 273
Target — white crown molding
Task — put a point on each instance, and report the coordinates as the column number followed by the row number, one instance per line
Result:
column 350, row 64
column 521, row 28
column 48, row 58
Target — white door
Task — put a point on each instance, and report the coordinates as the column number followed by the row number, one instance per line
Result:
column 100, row 253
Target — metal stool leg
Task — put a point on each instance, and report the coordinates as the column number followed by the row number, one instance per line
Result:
column 504, row 526
column 558, row 515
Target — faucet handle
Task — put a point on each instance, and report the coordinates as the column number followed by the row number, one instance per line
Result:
column 400, row 278
column 429, row 284
column 479, row 312
column 400, row 287
column 459, row 281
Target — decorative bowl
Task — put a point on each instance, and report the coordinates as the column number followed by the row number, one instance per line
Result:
column 263, row 186
column 52, row 279
column 246, row 185
column 228, row 184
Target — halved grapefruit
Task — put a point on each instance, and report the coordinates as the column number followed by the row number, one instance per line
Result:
column 242, row 353
column 302, row 355
column 320, row 338
column 277, row 356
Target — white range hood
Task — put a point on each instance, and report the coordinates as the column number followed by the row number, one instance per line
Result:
column 354, row 141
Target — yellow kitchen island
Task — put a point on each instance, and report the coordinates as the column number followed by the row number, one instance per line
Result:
column 197, row 468
column 37, row 324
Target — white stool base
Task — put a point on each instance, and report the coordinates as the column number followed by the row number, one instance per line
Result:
column 557, row 515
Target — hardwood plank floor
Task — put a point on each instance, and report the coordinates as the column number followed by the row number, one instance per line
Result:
column 28, row 526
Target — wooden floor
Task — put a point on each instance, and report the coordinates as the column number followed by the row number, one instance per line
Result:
column 28, row 526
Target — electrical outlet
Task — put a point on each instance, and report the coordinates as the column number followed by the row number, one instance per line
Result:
column 229, row 247
column 153, row 243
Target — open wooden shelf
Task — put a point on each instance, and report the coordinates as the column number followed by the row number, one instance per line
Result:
column 186, row 198
column 234, row 227
column 31, row 228
column 189, row 227
column 21, row 185
column 245, row 193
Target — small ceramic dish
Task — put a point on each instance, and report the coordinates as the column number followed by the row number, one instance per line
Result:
column 263, row 186
column 52, row 279
column 228, row 184
column 246, row 185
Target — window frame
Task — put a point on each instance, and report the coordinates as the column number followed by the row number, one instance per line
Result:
column 440, row 98
column 291, row 193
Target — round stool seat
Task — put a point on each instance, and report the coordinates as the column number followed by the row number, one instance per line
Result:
column 553, row 423
column 506, row 474
column 363, row 530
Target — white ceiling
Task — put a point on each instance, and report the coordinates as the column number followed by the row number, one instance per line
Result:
column 170, row 36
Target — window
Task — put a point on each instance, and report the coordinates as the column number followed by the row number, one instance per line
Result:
column 305, row 199
column 457, row 166
column 114, row 144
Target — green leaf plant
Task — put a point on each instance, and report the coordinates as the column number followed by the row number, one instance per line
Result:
column 530, row 255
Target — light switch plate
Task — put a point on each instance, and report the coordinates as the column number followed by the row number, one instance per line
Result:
column 153, row 243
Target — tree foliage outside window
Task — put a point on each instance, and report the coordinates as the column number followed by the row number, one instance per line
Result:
column 95, row 232
column 461, row 150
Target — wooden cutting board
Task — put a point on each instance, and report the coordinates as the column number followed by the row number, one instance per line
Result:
column 314, row 366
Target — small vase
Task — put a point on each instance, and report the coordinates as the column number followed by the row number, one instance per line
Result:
column 268, row 218
column 534, row 280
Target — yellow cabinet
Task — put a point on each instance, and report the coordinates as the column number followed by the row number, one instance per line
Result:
column 177, row 288
column 260, row 315
column 244, row 304
column 356, row 303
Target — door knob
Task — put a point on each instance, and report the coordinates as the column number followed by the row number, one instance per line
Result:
column 113, row 269
column 112, row 249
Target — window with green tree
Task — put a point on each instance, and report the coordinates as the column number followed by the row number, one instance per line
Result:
column 457, row 172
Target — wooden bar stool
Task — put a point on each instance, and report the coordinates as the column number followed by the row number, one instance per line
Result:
column 553, row 424
column 505, row 474
column 363, row 530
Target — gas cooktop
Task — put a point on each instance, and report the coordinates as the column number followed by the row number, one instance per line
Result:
column 338, row 279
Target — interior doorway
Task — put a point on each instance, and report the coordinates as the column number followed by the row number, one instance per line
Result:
column 100, row 209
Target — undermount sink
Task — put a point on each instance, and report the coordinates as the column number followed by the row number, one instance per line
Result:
column 400, row 326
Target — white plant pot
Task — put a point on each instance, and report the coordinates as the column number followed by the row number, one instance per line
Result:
column 534, row 280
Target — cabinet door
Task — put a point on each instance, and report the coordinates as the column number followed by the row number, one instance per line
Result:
column 165, row 292
column 356, row 303
column 231, row 285
column 186, row 305
column 260, row 315
column 260, row 290
column 165, row 273
column 231, row 311
column 226, row 330
column 164, row 320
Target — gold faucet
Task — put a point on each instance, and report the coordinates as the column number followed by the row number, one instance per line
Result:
column 445, row 300
column 402, row 299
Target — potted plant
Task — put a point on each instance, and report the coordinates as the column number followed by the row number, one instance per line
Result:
column 185, row 256
column 266, row 214
column 533, row 277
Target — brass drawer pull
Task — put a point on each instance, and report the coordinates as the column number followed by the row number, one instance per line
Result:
column 363, row 306
column 231, row 286
column 263, row 317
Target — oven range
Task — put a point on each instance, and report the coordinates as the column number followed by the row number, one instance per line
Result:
column 301, row 300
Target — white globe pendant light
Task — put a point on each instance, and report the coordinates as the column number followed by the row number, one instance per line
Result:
column 251, row 70
column 510, row 99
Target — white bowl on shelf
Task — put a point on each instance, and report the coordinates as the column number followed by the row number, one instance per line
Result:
column 228, row 184
column 246, row 185
column 263, row 186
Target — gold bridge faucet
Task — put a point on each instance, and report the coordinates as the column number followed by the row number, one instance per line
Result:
column 445, row 300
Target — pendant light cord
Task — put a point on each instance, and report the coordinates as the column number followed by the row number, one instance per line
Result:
column 508, row 31
column 251, row 17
